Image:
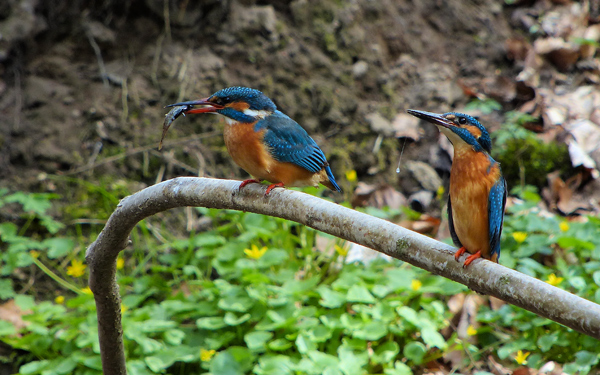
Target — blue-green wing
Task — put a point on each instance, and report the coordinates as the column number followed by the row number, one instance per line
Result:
column 496, row 205
column 289, row 142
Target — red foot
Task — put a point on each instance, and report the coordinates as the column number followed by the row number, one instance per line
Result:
column 273, row 186
column 459, row 252
column 471, row 258
column 250, row 181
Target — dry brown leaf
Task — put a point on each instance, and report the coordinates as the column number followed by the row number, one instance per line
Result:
column 530, row 76
column 559, row 52
column 456, row 302
column 517, row 48
column 578, row 104
column 467, row 317
column 379, row 124
column 564, row 22
column 427, row 225
column 563, row 197
column 586, row 140
column 378, row 196
column 496, row 368
column 500, row 88
column 470, row 88
column 496, row 303
column 407, row 126
column 592, row 33
column 12, row 313
column 424, row 174
column 523, row 370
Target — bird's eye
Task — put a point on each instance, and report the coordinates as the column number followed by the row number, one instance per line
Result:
column 462, row 120
column 218, row 101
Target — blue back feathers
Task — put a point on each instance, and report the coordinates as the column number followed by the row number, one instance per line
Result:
column 289, row 142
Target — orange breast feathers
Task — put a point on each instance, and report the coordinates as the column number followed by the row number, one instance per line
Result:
column 248, row 150
column 471, row 178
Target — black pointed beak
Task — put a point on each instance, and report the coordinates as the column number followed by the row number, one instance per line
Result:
column 434, row 118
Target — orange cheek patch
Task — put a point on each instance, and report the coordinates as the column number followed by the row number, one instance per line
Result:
column 239, row 106
column 474, row 130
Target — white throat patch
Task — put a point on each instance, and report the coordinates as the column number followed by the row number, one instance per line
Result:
column 453, row 137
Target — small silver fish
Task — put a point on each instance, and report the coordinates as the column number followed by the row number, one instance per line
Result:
column 175, row 112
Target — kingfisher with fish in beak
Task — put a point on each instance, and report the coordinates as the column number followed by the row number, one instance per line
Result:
column 262, row 140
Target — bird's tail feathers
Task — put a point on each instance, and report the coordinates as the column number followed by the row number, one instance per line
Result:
column 331, row 184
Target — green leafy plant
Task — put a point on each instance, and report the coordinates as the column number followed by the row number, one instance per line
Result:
column 250, row 295
column 525, row 159
column 30, row 236
column 486, row 106
column 253, row 295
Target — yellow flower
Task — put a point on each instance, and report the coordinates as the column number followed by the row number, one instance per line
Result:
column 255, row 253
column 564, row 226
column 440, row 192
column 471, row 331
column 416, row 285
column 351, row 175
column 206, row 355
column 76, row 269
column 34, row 254
column 60, row 300
column 521, row 358
column 520, row 237
column 123, row 308
column 343, row 251
column 553, row 280
column 120, row 263
column 86, row 290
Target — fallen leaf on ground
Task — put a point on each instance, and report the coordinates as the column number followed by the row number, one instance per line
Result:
column 427, row 225
column 407, row 126
column 379, row 196
column 563, row 196
column 559, row 52
column 12, row 313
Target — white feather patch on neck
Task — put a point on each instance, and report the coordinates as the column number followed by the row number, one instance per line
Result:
column 459, row 144
column 229, row 121
column 256, row 114
column 452, row 136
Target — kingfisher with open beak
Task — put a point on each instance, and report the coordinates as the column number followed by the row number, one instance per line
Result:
column 477, row 189
column 262, row 140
